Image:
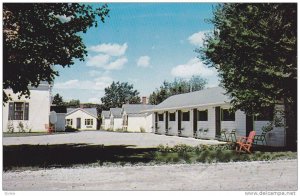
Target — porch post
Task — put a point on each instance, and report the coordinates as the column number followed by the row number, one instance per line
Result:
column 195, row 122
column 166, row 122
column 179, row 122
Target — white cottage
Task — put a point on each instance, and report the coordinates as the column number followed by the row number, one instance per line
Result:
column 116, row 119
column 105, row 117
column 82, row 118
column 27, row 114
column 135, row 119
column 205, row 113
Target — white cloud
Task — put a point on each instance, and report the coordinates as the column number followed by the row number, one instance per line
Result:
column 197, row 38
column 117, row 64
column 193, row 67
column 143, row 61
column 110, row 49
column 103, row 61
column 109, row 57
column 98, row 61
column 97, row 84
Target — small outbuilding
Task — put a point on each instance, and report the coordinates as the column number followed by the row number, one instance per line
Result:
column 115, row 119
column 82, row 118
column 136, row 119
column 105, row 118
column 61, row 112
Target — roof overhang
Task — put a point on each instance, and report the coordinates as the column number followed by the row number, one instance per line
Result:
column 186, row 107
column 82, row 111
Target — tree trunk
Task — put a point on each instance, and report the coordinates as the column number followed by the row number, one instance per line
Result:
column 291, row 124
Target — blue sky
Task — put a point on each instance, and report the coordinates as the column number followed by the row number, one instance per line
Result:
column 140, row 43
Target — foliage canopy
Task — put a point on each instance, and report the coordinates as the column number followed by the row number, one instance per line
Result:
column 254, row 49
column 38, row 36
column 118, row 94
column 178, row 86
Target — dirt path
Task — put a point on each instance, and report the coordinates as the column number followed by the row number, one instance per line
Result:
column 275, row 175
column 107, row 138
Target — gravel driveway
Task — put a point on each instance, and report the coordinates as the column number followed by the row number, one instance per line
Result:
column 266, row 176
column 106, row 138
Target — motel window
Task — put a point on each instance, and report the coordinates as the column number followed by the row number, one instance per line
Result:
column 88, row 122
column 160, row 117
column 18, row 111
column 172, row 116
column 186, row 116
column 202, row 115
column 227, row 115
column 266, row 115
column 69, row 122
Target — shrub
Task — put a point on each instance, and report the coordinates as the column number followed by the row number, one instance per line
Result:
column 185, row 156
column 109, row 129
column 70, row 129
column 21, row 127
column 162, row 148
column 176, row 159
column 10, row 127
column 197, row 149
column 142, row 130
column 214, row 153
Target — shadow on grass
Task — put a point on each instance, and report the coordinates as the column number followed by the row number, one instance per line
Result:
column 66, row 155
column 264, row 148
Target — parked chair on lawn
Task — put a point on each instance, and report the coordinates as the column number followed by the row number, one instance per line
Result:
column 205, row 131
column 199, row 132
column 233, row 135
column 244, row 144
column 262, row 138
column 50, row 128
column 224, row 133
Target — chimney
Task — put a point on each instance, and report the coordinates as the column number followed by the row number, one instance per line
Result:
column 144, row 100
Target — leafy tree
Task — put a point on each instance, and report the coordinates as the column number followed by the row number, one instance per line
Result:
column 178, row 86
column 90, row 105
column 73, row 103
column 254, row 49
column 37, row 36
column 118, row 94
column 197, row 83
column 58, row 100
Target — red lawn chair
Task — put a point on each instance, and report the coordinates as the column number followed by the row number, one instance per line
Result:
column 244, row 144
column 50, row 128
